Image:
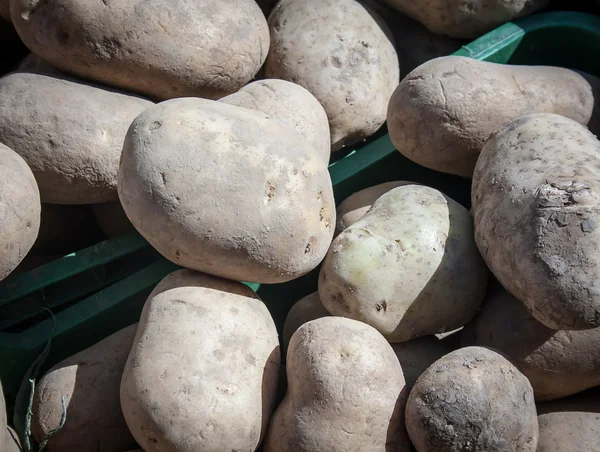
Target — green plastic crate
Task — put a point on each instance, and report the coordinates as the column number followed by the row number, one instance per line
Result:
column 104, row 292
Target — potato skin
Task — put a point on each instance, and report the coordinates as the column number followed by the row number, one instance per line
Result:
column 203, row 371
column 346, row 392
column 160, row 49
column 20, row 210
column 304, row 310
column 535, row 196
column 472, row 399
column 338, row 52
column 442, row 113
column 409, row 267
column 12, row 442
column 243, row 197
column 90, row 381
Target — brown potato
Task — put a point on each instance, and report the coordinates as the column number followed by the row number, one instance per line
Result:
column 304, row 310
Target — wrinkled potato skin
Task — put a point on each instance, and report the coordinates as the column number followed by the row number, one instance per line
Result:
column 469, row 19
column 241, row 196
column 535, row 197
column 472, row 399
column 417, row 355
column 160, row 49
column 20, row 210
column 203, row 370
column 409, row 267
column 70, row 134
column 442, row 113
column 112, row 219
column 304, row 310
column 557, row 363
column 336, row 50
column 346, row 392
column 291, row 104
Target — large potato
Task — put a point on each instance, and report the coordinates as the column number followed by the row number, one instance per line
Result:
column 291, row 104
column 304, row 310
column 89, row 381
column 465, row 19
column 442, row 113
column 203, row 370
column 535, row 196
column 409, row 267
column 161, row 49
column 69, row 132
column 19, row 210
column 346, row 392
column 237, row 195
column 557, row 363
column 337, row 51
column 475, row 400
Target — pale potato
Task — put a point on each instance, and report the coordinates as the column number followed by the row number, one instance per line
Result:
column 112, row 219
column 304, row 310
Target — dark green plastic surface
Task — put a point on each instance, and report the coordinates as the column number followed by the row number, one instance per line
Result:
column 559, row 39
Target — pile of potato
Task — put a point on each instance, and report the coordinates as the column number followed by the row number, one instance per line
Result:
column 208, row 127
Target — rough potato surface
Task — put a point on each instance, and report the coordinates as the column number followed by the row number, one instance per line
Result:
column 306, row 309
column 225, row 190
column 346, row 392
column 20, row 210
column 442, row 113
column 475, row 400
column 203, row 370
column 535, row 196
column 337, row 51
column 409, row 267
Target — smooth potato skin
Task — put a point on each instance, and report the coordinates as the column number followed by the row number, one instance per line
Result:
column 346, row 392
column 158, row 48
column 472, row 399
column 535, row 197
column 203, row 370
column 337, row 51
column 409, row 267
column 442, row 113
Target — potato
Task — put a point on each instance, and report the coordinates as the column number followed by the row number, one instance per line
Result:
column 475, row 400
column 292, row 105
column 240, row 196
column 442, row 112
column 469, row 19
column 203, row 370
column 409, row 267
column 417, row 355
column 345, row 393
column 571, row 424
column 70, row 133
column 535, row 196
column 594, row 123
column 306, row 309
column 156, row 48
column 12, row 442
column 112, row 219
column 19, row 210
column 9, row 440
column 89, row 381
column 337, row 51
column 34, row 64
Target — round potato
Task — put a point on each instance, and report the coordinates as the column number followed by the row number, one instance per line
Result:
column 89, row 381
column 19, row 210
column 306, row 309
column 203, row 370
column 417, row 355
column 112, row 219
column 409, row 267
column 70, row 133
column 290, row 104
column 239, row 195
column 536, row 198
column 442, row 113
column 337, row 51
column 160, row 49
column 472, row 399
column 346, row 392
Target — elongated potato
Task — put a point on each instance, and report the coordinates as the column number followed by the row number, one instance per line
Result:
column 163, row 50
column 19, row 210
column 89, row 381
column 442, row 113
column 535, row 196
column 304, row 310
column 203, row 370
column 338, row 52
column 240, row 196
column 345, row 393
column 409, row 267
column 472, row 399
